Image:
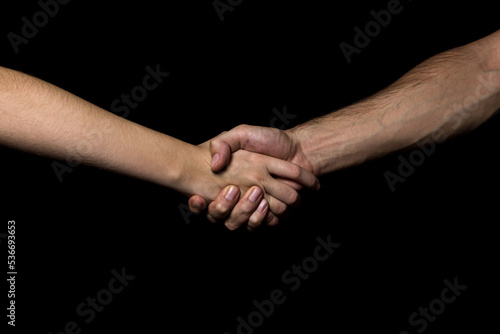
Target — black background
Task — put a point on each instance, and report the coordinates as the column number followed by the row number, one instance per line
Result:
column 396, row 247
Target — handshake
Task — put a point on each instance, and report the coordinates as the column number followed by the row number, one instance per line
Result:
column 275, row 164
column 250, row 176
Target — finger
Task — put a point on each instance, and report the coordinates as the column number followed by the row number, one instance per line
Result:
column 258, row 215
column 223, row 145
column 282, row 192
column 292, row 172
column 244, row 208
column 221, row 153
column 291, row 183
column 277, row 208
column 197, row 204
column 271, row 219
column 224, row 202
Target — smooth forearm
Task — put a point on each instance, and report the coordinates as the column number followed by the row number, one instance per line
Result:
column 43, row 119
column 446, row 95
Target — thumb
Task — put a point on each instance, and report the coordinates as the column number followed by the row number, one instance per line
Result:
column 252, row 138
column 197, row 204
column 222, row 146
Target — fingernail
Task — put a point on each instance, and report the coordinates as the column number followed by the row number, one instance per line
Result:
column 198, row 206
column 255, row 195
column 215, row 159
column 231, row 193
column 262, row 206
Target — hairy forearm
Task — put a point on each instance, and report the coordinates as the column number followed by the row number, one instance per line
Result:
column 446, row 95
column 40, row 118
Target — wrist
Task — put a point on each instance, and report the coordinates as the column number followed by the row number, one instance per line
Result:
column 303, row 153
column 194, row 175
column 338, row 140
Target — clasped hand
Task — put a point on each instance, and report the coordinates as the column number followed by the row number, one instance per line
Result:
column 269, row 181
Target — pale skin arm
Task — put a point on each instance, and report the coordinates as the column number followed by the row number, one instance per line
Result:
column 43, row 119
column 446, row 95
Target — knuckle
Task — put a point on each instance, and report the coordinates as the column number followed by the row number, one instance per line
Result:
column 295, row 171
column 214, row 142
column 220, row 209
column 278, row 208
column 257, row 179
column 294, row 198
column 255, row 159
column 241, row 130
column 231, row 226
column 242, row 127
column 254, row 221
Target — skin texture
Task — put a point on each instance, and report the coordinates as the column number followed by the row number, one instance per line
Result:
column 43, row 119
column 446, row 95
